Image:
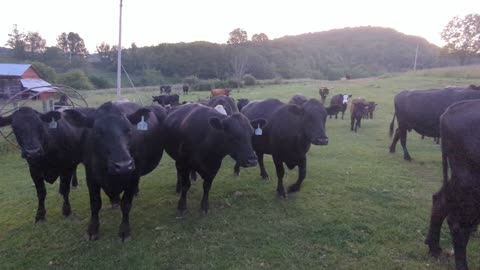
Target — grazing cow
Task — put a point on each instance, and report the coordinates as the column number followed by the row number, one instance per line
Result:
column 220, row 92
column 228, row 103
column 357, row 110
column 340, row 100
column 289, row 132
column 167, row 89
column 164, row 100
column 420, row 110
column 323, row 91
column 242, row 102
column 185, row 89
column 199, row 137
column 52, row 148
column 458, row 199
column 124, row 142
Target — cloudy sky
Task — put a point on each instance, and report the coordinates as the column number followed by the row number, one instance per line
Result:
column 150, row 22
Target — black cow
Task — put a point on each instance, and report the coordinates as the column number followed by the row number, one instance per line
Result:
column 167, row 89
column 51, row 147
column 199, row 137
column 164, row 100
column 357, row 110
column 458, row 199
column 242, row 102
column 298, row 99
column 323, row 91
column 289, row 132
column 118, row 151
column 227, row 102
column 185, row 89
column 420, row 110
column 340, row 100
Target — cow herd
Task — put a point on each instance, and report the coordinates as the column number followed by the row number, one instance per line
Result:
column 119, row 142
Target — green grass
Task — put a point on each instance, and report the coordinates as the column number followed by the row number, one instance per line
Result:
column 359, row 208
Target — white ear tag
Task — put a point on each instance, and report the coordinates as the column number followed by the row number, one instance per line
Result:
column 142, row 125
column 53, row 123
column 258, row 131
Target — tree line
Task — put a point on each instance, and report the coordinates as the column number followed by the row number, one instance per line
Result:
column 354, row 52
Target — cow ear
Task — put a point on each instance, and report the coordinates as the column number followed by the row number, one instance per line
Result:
column 5, row 121
column 260, row 122
column 136, row 117
column 47, row 117
column 78, row 119
column 295, row 109
column 215, row 122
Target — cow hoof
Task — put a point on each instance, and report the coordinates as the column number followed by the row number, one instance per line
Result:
column 236, row 174
column 281, row 194
column 293, row 188
column 125, row 239
column 91, row 237
column 205, row 212
column 39, row 220
column 265, row 177
column 391, row 151
column 66, row 211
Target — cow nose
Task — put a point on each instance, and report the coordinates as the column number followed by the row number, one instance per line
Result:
column 252, row 161
column 32, row 153
column 320, row 141
column 125, row 166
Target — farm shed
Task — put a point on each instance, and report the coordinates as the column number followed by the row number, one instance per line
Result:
column 18, row 77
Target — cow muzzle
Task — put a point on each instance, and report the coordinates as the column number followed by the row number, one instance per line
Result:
column 32, row 154
column 121, row 167
column 320, row 141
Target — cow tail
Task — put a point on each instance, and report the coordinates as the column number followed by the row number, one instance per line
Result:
column 392, row 124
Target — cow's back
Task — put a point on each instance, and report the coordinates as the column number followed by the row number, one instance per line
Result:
column 262, row 108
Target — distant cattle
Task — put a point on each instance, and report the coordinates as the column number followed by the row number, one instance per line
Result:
column 164, row 100
column 185, row 89
column 220, row 91
column 340, row 100
column 368, row 114
column 323, row 91
column 420, row 110
column 458, row 198
column 357, row 110
column 167, row 89
column 289, row 132
column 199, row 137
column 52, row 148
column 474, row 87
column 124, row 142
column 242, row 102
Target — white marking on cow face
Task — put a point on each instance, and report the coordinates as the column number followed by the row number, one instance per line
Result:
column 221, row 109
column 345, row 98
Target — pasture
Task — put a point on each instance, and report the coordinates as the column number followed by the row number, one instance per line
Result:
column 359, row 208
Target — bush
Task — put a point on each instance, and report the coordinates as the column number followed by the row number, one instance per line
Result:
column 76, row 79
column 47, row 73
column 100, row 82
column 232, row 83
column 190, row 80
column 149, row 77
column 249, row 80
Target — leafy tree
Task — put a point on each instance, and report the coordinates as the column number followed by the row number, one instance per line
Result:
column 463, row 37
column 76, row 79
column 16, row 41
column 35, row 44
column 262, row 37
column 72, row 45
column 107, row 54
column 47, row 73
column 55, row 58
column 237, row 36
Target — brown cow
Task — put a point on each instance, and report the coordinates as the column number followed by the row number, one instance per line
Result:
column 323, row 91
column 358, row 108
column 220, row 92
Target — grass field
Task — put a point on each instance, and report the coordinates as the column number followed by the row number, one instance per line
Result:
column 360, row 207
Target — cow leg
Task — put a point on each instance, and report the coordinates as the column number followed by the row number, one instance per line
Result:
column 460, row 237
column 280, row 173
column 41, row 194
column 359, row 122
column 403, row 142
column 396, row 137
column 352, row 122
column 193, row 175
column 183, row 174
column 263, row 172
column 126, row 205
column 302, row 172
column 343, row 112
column 439, row 212
column 65, row 179
column 115, row 201
column 207, row 184
column 236, row 169
column 74, row 178
column 95, row 206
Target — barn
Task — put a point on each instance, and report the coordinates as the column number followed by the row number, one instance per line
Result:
column 18, row 77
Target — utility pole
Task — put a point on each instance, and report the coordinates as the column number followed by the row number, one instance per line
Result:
column 415, row 63
column 119, row 56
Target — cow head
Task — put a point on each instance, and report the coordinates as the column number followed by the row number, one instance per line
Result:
column 345, row 98
column 314, row 116
column 238, row 131
column 242, row 102
column 31, row 131
column 111, row 133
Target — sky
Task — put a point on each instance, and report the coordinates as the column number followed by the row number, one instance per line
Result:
column 150, row 22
